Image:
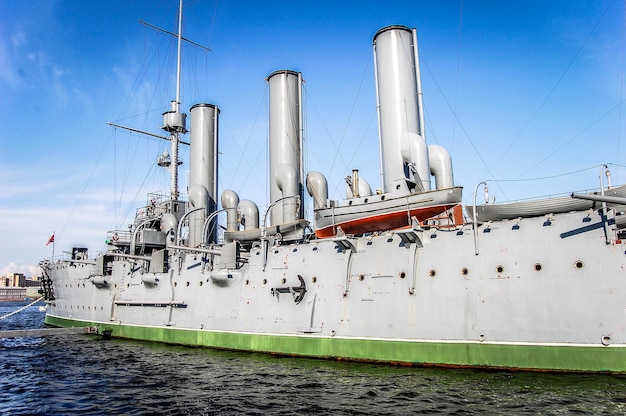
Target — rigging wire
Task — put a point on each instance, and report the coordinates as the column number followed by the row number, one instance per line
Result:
column 621, row 82
column 496, row 181
column 136, row 197
column 469, row 139
column 363, row 136
column 593, row 123
column 458, row 70
column 549, row 177
column 345, row 130
column 330, row 136
column 95, row 167
column 150, row 54
column 554, row 87
column 242, row 152
column 338, row 154
column 82, row 192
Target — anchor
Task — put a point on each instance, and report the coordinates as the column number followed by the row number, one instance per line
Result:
column 296, row 291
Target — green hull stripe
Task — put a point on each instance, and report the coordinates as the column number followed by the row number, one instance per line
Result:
column 521, row 356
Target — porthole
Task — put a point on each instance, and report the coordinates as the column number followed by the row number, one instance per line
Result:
column 361, row 277
column 247, row 282
column 432, row 273
column 264, row 281
column 382, row 197
column 500, row 269
column 175, row 284
column 187, row 284
column 284, row 280
column 464, row 271
column 579, row 264
column 402, row 275
column 201, row 282
column 365, row 200
column 314, row 279
column 538, row 267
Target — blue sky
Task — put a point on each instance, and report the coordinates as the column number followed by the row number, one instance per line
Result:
column 513, row 89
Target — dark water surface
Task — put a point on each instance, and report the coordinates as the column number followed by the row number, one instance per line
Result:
column 82, row 374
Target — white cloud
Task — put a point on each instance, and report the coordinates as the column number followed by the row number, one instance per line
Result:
column 18, row 39
column 9, row 74
column 60, row 90
column 30, row 228
column 27, row 270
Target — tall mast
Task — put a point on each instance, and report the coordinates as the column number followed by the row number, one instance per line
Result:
column 180, row 39
column 174, row 120
column 174, row 140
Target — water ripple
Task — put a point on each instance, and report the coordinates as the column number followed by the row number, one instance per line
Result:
column 83, row 375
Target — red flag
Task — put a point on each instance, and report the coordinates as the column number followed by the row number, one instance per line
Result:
column 51, row 239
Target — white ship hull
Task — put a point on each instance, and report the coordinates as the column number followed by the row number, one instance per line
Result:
column 518, row 303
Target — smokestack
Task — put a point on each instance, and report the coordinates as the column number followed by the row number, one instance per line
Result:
column 202, row 168
column 404, row 154
column 285, row 146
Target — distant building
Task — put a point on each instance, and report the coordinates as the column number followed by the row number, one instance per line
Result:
column 32, row 283
column 16, row 286
column 12, row 293
column 16, row 279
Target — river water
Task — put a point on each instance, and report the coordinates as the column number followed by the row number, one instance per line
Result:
column 83, row 374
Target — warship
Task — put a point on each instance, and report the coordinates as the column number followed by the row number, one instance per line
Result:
column 397, row 275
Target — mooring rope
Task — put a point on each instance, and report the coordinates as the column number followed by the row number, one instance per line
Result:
column 21, row 309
